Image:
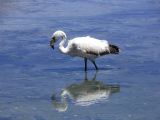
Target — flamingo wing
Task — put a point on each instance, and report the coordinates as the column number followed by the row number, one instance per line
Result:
column 89, row 45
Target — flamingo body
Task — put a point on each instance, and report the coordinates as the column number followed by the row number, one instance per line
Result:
column 87, row 47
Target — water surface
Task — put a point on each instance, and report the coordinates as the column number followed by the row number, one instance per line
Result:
column 33, row 76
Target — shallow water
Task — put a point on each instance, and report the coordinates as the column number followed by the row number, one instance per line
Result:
column 37, row 83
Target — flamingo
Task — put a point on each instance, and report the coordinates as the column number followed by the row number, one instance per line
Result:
column 87, row 47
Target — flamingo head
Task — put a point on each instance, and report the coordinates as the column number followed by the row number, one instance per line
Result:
column 57, row 36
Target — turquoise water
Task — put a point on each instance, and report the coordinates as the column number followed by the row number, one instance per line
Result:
column 37, row 83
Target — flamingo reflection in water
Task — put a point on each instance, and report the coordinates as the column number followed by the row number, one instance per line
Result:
column 84, row 94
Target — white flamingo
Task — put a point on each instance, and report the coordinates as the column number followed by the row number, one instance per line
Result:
column 87, row 47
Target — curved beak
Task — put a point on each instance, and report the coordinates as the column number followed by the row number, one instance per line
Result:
column 52, row 42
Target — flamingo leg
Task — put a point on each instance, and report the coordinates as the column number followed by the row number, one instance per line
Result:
column 85, row 61
column 95, row 65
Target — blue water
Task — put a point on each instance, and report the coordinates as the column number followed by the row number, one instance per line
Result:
column 33, row 76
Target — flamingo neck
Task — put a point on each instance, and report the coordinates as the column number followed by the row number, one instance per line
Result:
column 61, row 46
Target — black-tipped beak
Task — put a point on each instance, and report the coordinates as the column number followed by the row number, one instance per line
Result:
column 52, row 46
column 52, row 42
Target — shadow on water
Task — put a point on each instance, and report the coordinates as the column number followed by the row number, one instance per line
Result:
column 86, row 93
column 70, row 69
